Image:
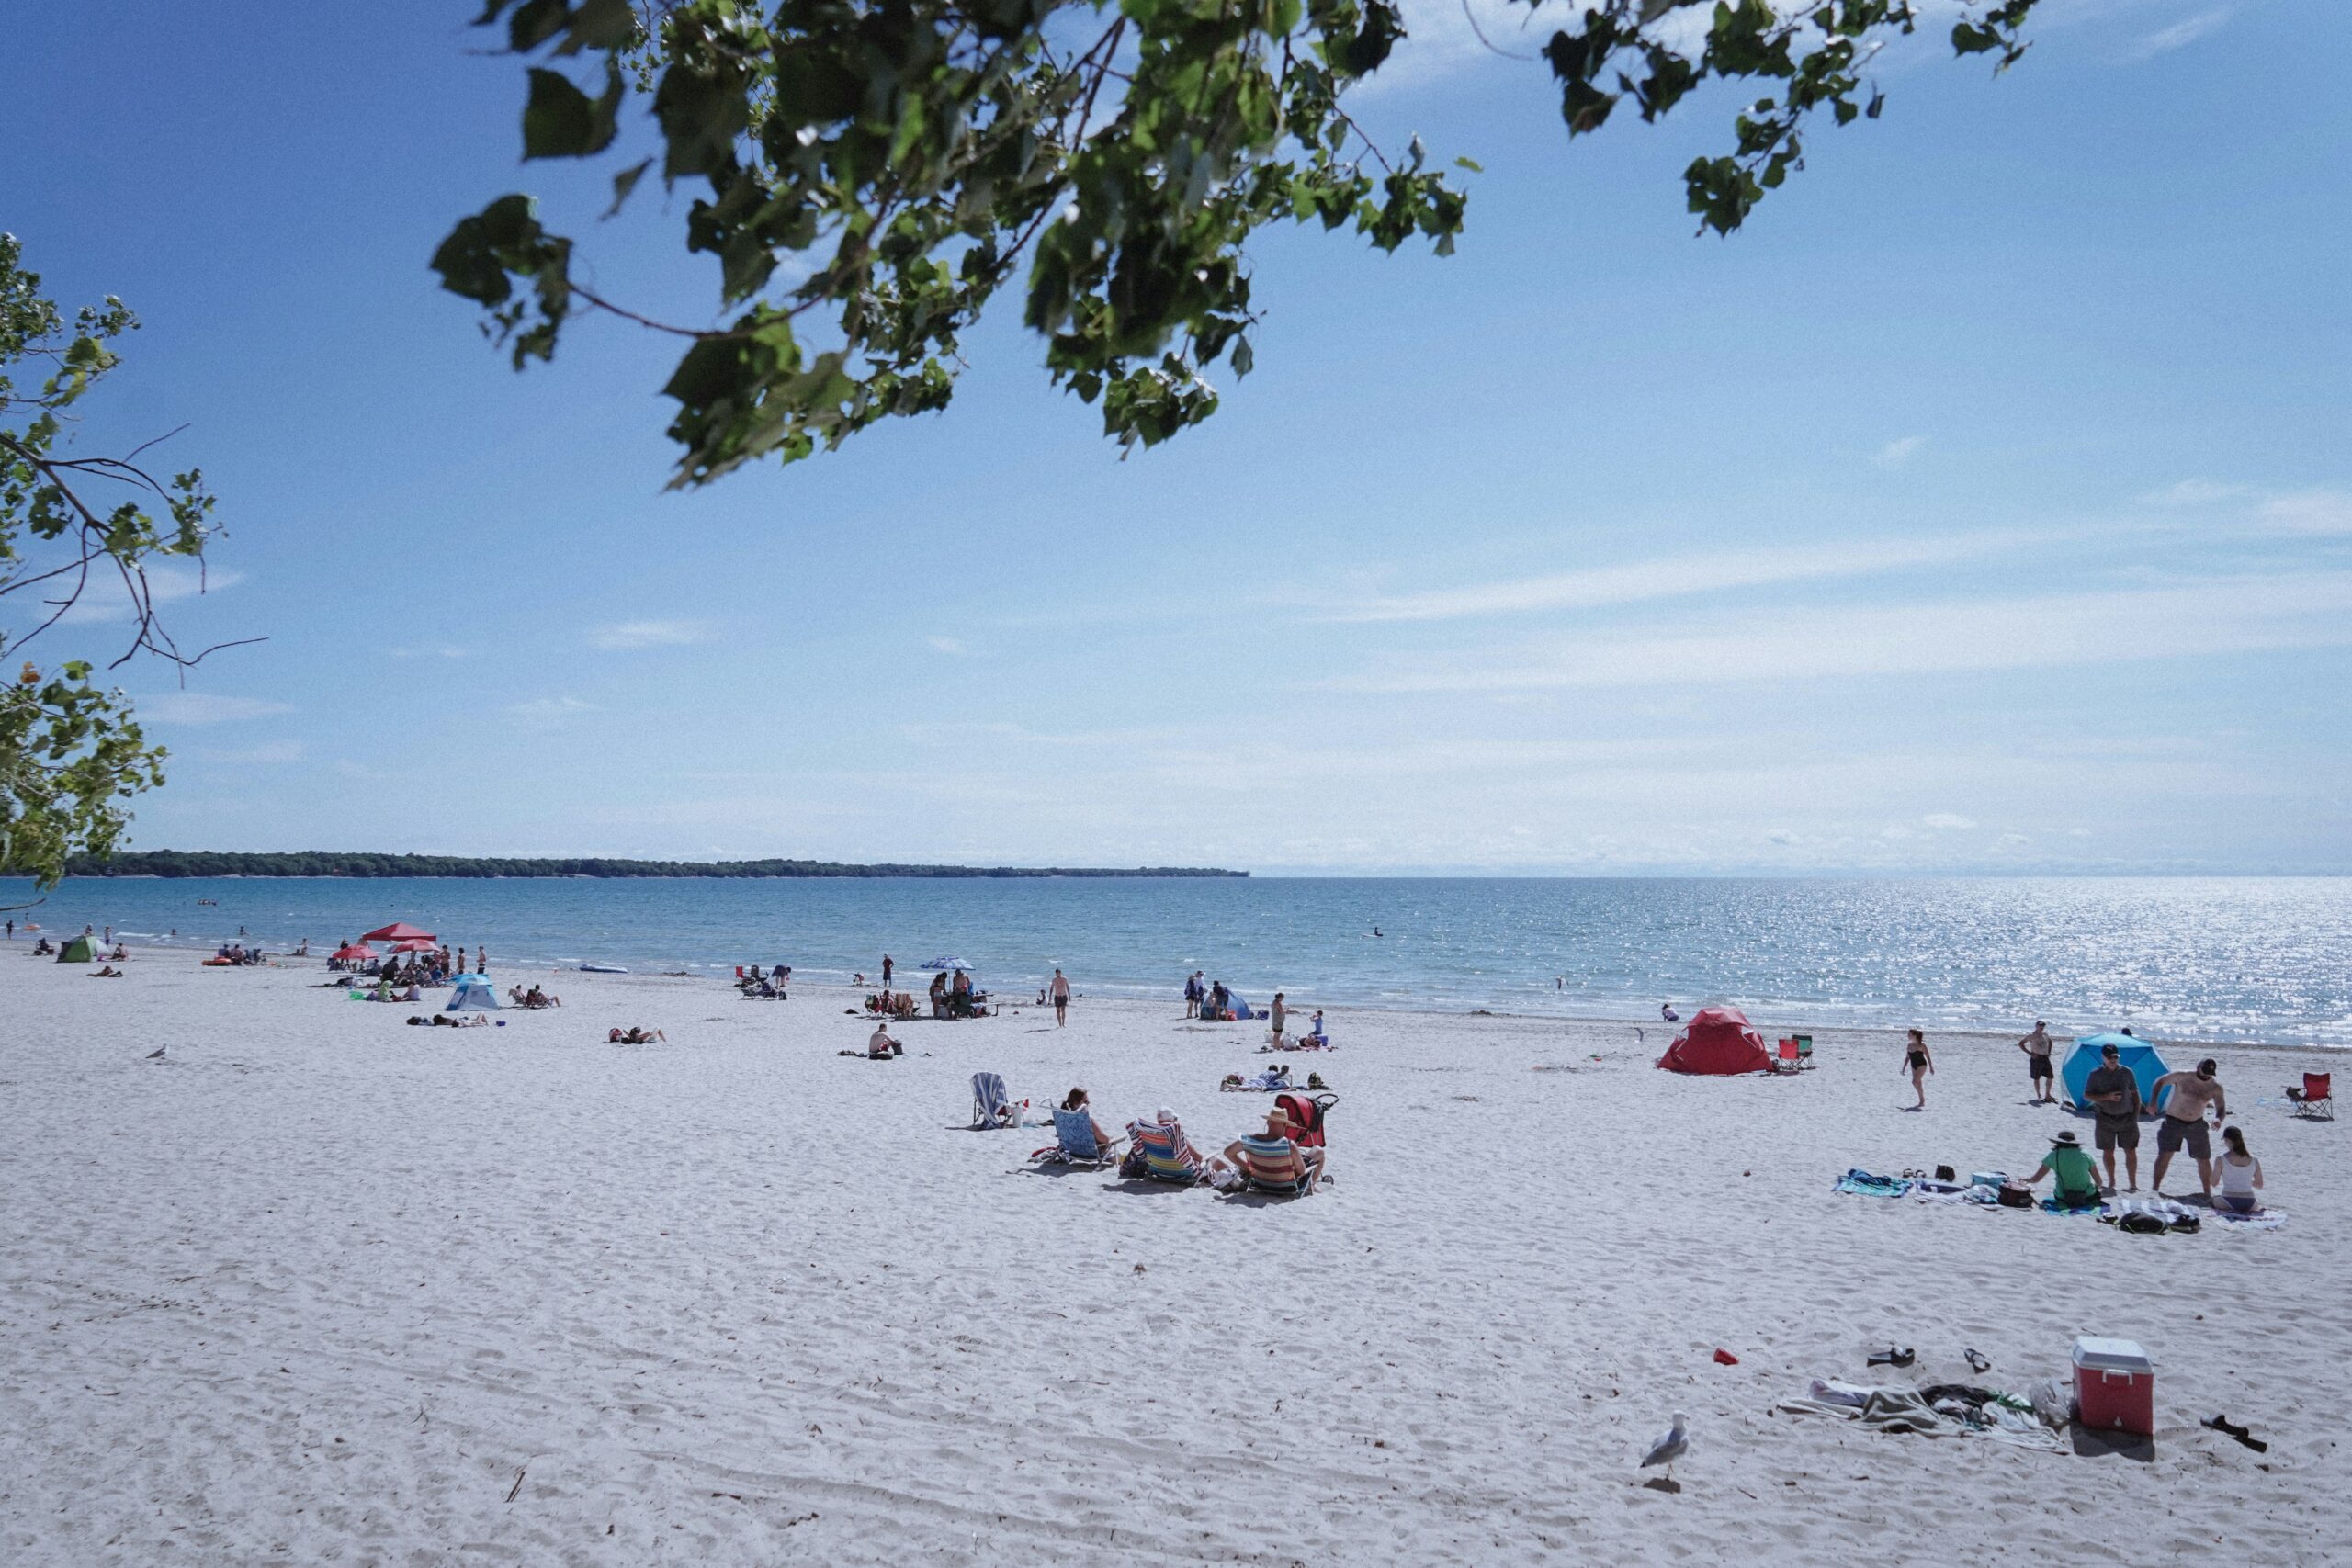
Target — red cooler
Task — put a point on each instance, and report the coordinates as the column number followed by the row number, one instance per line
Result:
column 2115, row 1386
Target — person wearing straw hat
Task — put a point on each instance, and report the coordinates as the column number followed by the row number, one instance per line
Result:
column 2077, row 1183
column 1279, row 1128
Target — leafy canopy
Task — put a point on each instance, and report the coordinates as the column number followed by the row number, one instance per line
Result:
column 875, row 169
column 70, row 752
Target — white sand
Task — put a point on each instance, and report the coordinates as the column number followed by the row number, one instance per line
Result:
column 319, row 1288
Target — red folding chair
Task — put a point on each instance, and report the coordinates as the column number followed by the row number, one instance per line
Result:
column 1791, row 1058
column 2316, row 1098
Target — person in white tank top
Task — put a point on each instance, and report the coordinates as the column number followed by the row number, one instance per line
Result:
column 2241, row 1175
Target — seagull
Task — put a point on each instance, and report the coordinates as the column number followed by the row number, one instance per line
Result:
column 156, row 1055
column 1672, row 1447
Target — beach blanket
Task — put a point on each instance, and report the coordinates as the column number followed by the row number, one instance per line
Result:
column 2268, row 1219
column 1863, row 1184
column 2006, row 1417
column 1264, row 1083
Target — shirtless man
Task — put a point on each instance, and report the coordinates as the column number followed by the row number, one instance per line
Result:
column 2037, row 1047
column 2184, row 1122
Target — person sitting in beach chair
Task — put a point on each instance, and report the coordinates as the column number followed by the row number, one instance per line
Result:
column 2078, row 1182
column 992, row 1103
column 1079, row 1139
column 636, row 1035
column 1162, row 1152
column 1270, row 1162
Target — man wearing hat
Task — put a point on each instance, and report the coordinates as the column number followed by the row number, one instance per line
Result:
column 1274, row 1143
column 2078, row 1182
column 2114, row 1093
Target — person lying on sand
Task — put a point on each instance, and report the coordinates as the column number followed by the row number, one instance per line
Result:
column 636, row 1035
column 108, row 973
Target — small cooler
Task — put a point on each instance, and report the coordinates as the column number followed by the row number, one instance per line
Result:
column 2115, row 1386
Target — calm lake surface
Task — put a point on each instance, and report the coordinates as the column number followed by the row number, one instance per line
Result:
column 2219, row 958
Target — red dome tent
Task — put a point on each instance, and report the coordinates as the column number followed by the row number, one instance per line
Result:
column 1718, row 1040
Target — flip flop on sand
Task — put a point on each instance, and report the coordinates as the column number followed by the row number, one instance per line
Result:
column 1892, row 1357
column 1978, row 1361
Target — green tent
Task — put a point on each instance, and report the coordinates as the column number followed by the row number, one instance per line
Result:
column 81, row 950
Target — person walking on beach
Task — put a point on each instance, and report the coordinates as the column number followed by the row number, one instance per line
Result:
column 1059, row 991
column 2184, row 1122
column 886, row 970
column 1193, row 995
column 481, row 962
column 2036, row 1047
column 2114, row 1094
column 1919, row 1063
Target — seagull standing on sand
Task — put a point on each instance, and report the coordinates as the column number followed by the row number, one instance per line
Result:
column 1672, row 1447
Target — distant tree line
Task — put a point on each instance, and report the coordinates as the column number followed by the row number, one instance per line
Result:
column 319, row 863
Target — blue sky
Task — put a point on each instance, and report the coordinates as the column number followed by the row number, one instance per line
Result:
column 1985, row 504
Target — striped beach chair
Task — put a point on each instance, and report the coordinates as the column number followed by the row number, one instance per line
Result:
column 1168, row 1156
column 1272, row 1165
column 992, row 1103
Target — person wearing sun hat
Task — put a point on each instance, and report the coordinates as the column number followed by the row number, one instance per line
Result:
column 2077, row 1183
column 1273, row 1147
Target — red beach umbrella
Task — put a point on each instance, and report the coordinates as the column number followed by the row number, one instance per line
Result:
column 351, row 950
column 415, row 944
column 397, row 930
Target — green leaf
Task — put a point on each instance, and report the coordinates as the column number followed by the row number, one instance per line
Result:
column 561, row 121
column 624, row 183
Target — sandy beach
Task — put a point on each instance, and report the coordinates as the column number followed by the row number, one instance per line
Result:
column 317, row 1287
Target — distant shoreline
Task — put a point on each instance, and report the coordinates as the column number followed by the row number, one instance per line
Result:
column 316, row 864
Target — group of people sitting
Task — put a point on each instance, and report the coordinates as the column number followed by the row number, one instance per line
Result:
column 235, row 953
column 636, row 1035
column 956, row 998
column 885, row 1004
column 1272, row 1161
column 533, row 999
column 770, row 987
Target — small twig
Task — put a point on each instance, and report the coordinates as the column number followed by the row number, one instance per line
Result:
column 516, row 1490
column 1472, row 19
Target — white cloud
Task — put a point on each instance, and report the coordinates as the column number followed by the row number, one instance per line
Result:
column 1897, row 452
column 442, row 651
column 952, row 646
column 2197, row 493
column 2187, row 30
column 2318, row 512
column 1946, row 821
column 1782, row 836
column 167, row 583
column 549, row 710
column 275, row 751
column 204, row 708
column 2219, row 616
column 649, row 634
column 1668, row 577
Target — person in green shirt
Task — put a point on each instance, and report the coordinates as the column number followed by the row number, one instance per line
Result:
column 2078, row 1185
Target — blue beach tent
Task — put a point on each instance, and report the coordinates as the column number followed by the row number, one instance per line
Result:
column 2146, row 1066
column 473, row 994
column 1240, row 1008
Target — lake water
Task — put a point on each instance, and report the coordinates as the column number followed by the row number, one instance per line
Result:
column 2231, row 959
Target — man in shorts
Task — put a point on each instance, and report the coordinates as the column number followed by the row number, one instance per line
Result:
column 2184, row 1122
column 2036, row 1047
column 2114, row 1094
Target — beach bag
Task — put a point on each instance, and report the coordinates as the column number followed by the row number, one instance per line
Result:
column 2016, row 1198
column 2139, row 1223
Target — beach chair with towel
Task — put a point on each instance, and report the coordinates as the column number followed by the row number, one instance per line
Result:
column 1788, row 1060
column 1074, row 1141
column 2316, row 1098
column 993, row 1104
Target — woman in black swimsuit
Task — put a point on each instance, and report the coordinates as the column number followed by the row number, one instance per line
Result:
column 1919, row 1063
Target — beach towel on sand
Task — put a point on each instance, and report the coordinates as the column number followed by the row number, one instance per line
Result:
column 1863, row 1184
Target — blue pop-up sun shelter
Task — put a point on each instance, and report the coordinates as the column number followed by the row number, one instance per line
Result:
column 2133, row 1053
column 473, row 994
